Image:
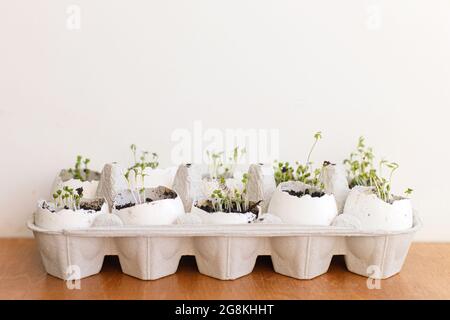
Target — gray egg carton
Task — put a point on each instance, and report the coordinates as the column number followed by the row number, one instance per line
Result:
column 224, row 252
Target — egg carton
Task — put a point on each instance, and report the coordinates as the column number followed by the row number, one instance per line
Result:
column 224, row 252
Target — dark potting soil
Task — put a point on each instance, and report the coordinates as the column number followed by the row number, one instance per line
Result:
column 130, row 204
column 314, row 194
column 168, row 194
column 123, row 206
column 253, row 208
column 95, row 205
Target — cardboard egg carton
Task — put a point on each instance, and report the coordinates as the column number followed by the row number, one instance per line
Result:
column 224, row 252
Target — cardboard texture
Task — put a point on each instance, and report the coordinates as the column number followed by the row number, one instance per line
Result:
column 224, row 252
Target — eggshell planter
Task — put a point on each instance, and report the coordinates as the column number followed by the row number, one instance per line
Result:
column 222, row 217
column 224, row 251
column 159, row 211
column 334, row 178
column 304, row 210
column 66, row 218
column 261, row 184
column 376, row 214
column 159, row 177
column 89, row 186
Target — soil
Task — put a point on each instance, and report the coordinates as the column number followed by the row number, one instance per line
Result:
column 126, row 205
column 168, row 194
column 208, row 207
column 314, row 194
column 94, row 205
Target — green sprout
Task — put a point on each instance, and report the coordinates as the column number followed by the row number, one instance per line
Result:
column 67, row 198
column 227, row 199
column 362, row 172
column 220, row 170
column 141, row 163
column 304, row 172
column 78, row 172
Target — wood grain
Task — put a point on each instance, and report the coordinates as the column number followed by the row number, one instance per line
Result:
column 425, row 275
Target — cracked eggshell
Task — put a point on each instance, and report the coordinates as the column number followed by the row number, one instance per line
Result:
column 261, row 184
column 89, row 187
column 65, row 179
column 158, row 212
column 304, row 210
column 159, row 177
column 112, row 180
column 334, row 178
column 221, row 217
column 66, row 219
column 376, row 214
column 187, row 183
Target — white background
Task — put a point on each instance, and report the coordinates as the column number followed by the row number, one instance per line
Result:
column 138, row 70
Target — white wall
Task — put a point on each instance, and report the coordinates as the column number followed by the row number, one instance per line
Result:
column 137, row 70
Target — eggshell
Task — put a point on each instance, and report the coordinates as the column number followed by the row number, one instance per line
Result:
column 222, row 217
column 305, row 210
column 376, row 214
column 66, row 219
column 159, row 177
column 158, row 212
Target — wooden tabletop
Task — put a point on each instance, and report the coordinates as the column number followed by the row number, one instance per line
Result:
column 425, row 275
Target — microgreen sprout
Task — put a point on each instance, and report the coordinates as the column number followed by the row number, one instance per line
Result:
column 68, row 198
column 362, row 172
column 78, row 172
column 227, row 199
column 304, row 172
column 220, row 170
column 136, row 182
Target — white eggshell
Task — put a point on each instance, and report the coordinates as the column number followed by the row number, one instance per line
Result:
column 89, row 187
column 221, row 217
column 305, row 210
column 157, row 212
column 334, row 178
column 159, row 177
column 376, row 214
column 66, row 219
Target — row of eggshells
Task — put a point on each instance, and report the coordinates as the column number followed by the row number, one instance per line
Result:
column 358, row 208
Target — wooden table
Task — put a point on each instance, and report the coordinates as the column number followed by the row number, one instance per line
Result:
column 425, row 275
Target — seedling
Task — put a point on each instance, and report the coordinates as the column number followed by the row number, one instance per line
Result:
column 78, row 172
column 68, row 198
column 225, row 199
column 220, row 170
column 136, row 182
column 362, row 172
column 304, row 172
